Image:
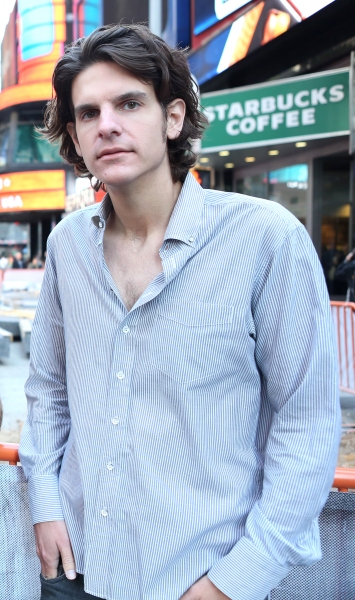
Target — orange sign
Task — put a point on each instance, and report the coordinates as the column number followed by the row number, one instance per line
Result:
column 35, row 73
column 32, row 190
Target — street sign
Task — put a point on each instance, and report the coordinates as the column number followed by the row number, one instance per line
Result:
column 300, row 108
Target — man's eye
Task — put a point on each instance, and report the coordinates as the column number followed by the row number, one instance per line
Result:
column 89, row 114
column 131, row 105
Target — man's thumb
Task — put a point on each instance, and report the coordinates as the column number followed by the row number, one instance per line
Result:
column 68, row 563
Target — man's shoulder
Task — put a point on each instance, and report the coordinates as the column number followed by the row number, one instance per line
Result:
column 76, row 223
column 252, row 207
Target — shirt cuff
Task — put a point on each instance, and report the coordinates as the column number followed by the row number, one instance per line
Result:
column 246, row 573
column 44, row 499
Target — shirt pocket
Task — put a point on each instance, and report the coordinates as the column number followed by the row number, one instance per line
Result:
column 189, row 339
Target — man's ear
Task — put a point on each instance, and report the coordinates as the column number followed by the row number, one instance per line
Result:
column 72, row 132
column 175, row 118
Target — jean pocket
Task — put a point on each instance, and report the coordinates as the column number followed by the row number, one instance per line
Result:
column 60, row 576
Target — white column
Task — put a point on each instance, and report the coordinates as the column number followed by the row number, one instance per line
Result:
column 155, row 16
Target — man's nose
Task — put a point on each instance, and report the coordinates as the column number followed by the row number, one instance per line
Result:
column 109, row 123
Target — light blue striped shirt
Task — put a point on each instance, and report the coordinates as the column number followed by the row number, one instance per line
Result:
column 198, row 432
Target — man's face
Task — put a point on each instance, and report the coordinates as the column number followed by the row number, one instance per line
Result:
column 120, row 129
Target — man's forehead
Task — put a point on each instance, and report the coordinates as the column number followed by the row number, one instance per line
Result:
column 102, row 76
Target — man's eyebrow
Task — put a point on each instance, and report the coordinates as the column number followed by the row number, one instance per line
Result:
column 132, row 95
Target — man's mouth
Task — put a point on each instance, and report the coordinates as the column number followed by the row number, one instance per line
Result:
column 111, row 151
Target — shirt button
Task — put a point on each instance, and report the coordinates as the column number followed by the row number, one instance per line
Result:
column 104, row 512
column 191, row 239
column 110, row 466
column 101, row 224
column 126, row 329
column 115, row 420
column 120, row 375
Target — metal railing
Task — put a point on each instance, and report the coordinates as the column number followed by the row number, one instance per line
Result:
column 344, row 479
column 344, row 320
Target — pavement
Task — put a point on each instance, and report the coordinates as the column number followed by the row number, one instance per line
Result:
column 13, row 374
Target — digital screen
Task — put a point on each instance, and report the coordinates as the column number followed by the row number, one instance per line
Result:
column 209, row 12
column 32, row 190
column 259, row 25
column 40, row 36
column 87, row 16
column 37, row 28
column 294, row 174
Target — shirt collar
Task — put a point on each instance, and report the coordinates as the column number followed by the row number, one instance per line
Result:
column 184, row 222
column 186, row 217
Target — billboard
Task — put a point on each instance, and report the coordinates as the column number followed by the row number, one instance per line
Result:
column 209, row 12
column 225, row 31
column 41, row 31
column 32, row 190
column 8, row 54
column 307, row 107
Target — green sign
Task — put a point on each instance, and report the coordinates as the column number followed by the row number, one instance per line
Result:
column 301, row 108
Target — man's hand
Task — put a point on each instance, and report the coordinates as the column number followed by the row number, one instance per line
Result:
column 204, row 589
column 52, row 543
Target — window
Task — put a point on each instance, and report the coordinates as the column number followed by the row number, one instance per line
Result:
column 288, row 187
column 31, row 148
column 4, row 143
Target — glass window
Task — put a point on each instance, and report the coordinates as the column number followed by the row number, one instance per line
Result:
column 253, row 186
column 288, row 187
column 4, row 144
column 335, row 221
column 31, row 148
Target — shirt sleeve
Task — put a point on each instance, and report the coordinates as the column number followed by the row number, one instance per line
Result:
column 295, row 352
column 47, row 427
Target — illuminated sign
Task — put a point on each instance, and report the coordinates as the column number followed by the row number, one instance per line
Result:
column 87, row 16
column 84, row 197
column 225, row 31
column 209, row 12
column 32, row 190
column 41, row 35
column 307, row 107
column 8, row 54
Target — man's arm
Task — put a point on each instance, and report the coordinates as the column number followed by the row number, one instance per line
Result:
column 47, row 426
column 347, row 267
column 296, row 353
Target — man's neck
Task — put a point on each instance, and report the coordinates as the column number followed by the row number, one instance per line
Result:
column 143, row 208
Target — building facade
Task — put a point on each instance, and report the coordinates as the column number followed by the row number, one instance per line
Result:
column 281, row 115
column 34, row 181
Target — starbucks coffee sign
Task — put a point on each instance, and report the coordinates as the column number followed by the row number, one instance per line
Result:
column 300, row 108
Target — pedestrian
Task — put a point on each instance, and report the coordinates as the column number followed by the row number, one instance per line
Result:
column 18, row 262
column 183, row 415
column 36, row 263
column 4, row 261
column 346, row 270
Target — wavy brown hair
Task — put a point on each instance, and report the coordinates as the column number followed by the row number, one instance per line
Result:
column 147, row 57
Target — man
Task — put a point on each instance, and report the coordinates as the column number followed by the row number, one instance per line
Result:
column 183, row 415
column 18, row 262
column 346, row 270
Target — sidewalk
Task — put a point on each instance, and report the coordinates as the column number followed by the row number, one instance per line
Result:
column 346, row 456
column 13, row 374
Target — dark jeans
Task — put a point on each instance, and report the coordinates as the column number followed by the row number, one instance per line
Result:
column 62, row 588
